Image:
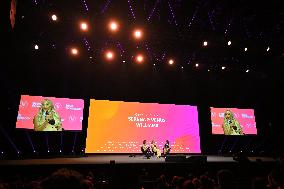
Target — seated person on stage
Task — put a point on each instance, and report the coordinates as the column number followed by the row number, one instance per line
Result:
column 145, row 148
column 155, row 150
column 166, row 148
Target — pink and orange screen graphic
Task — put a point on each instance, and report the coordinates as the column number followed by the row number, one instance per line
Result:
column 121, row 127
column 69, row 110
column 245, row 117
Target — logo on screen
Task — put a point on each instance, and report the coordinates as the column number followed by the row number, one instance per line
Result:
column 72, row 118
column 20, row 117
column 36, row 104
column 58, row 105
column 71, row 107
column 24, row 103
column 247, row 116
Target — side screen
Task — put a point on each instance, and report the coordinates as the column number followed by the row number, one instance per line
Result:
column 50, row 113
column 233, row 121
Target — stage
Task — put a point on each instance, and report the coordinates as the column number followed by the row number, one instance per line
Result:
column 123, row 159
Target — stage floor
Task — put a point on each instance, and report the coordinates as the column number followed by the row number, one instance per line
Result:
column 117, row 159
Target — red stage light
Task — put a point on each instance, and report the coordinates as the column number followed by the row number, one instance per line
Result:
column 137, row 34
column 171, row 61
column 113, row 26
column 84, row 26
column 74, row 51
column 54, row 17
column 109, row 55
column 139, row 58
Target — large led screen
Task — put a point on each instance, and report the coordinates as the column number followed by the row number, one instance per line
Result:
column 121, row 127
column 50, row 113
column 233, row 121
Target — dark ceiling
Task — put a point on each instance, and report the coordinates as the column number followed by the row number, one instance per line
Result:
column 174, row 29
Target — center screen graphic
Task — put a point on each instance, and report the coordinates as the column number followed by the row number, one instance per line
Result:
column 121, row 127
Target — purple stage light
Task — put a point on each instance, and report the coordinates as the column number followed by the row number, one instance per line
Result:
column 74, row 143
column 105, row 7
column 172, row 13
column 85, row 5
column 211, row 21
column 153, row 10
column 9, row 139
column 87, row 44
column 30, row 141
column 130, row 7
column 226, row 30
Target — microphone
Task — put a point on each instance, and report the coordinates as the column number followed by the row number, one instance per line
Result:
column 51, row 121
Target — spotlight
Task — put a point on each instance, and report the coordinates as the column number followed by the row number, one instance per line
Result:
column 247, row 70
column 205, row 43
column 223, row 67
column 139, row 58
column 84, row 26
column 246, row 49
column 60, row 151
column 182, row 67
column 267, row 49
column 123, row 61
column 154, row 64
column 229, row 43
column 113, row 26
column 74, row 51
column 208, row 70
column 47, row 151
column 171, row 61
column 137, row 34
column 36, row 47
column 54, row 17
column 196, row 65
column 109, row 55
